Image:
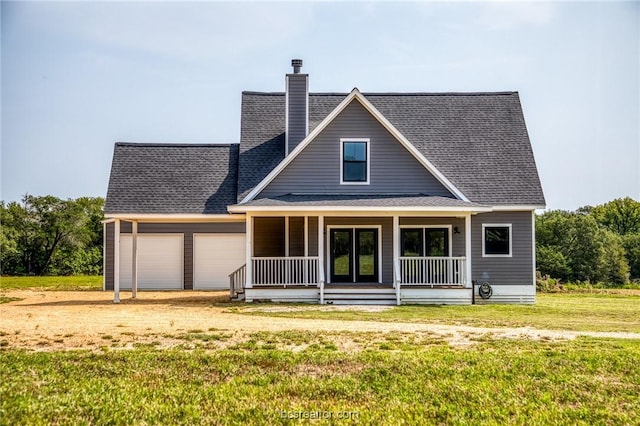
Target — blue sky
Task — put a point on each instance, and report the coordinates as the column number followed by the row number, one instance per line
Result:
column 77, row 77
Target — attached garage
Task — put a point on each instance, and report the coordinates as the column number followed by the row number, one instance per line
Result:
column 215, row 256
column 160, row 261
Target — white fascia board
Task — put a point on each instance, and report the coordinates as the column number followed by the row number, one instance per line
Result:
column 153, row 217
column 526, row 208
column 354, row 209
column 355, row 94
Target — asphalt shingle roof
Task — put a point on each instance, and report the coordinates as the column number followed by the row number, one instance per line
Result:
column 479, row 141
column 172, row 178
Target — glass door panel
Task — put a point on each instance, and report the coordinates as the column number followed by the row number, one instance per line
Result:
column 341, row 255
column 366, row 255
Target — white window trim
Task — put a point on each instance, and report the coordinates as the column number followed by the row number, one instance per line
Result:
column 342, row 142
column 424, row 239
column 496, row 225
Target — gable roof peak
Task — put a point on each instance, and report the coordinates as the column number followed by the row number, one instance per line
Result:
column 355, row 94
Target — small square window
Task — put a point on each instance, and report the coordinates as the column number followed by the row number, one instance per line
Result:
column 496, row 240
column 355, row 162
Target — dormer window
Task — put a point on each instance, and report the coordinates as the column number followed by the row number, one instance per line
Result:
column 354, row 164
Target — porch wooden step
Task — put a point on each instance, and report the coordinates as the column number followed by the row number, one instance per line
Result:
column 360, row 291
column 360, row 295
column 360, row 301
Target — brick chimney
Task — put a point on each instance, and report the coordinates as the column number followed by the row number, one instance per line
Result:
column 297, row 106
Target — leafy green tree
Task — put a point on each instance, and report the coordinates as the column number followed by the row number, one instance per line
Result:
column 551, row 260
column 612, row 263
column 631, row 243
column 47, row 235
column 621, row 216
column 574, row 247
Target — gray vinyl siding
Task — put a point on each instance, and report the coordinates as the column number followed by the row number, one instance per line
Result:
column 297, row 109
column 393, row 170
column 387, row 240
column 514, row 270
column 457, row 240
column 187, row 229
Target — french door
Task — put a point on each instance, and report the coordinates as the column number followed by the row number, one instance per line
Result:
column 354, row 255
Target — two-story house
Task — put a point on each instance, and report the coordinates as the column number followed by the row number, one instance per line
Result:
column 335, row 198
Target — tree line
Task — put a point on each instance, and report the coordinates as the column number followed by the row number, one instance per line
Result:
column 50, row 236
column 598, row 244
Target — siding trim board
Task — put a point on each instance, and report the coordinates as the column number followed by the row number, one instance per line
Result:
column 355, row 95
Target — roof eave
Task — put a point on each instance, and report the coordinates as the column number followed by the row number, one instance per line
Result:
column 240, row 208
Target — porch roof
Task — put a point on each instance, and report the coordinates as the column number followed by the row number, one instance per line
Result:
column 326, row 202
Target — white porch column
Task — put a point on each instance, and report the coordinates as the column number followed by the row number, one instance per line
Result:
column 396, row 256
column 467, row 247
column 306, row 249
column 134, row 260
column 249, row 251
column 321, row 257
column 396, row 241
column 306, row 236
column 116, row 261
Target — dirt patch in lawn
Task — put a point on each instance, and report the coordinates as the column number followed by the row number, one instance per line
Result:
column 63, row 320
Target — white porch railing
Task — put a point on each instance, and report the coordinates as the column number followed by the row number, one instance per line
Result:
column 277, row 271
column 433, row 271
column 237, row 280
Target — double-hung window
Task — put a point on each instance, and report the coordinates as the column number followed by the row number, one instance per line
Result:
column 496, row 240
column 354, row 164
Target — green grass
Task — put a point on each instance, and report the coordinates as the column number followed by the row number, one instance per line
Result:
column 586, row 381
column 52, row 283
column 558, row 311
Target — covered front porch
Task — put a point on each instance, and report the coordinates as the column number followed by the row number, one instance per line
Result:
column 359, row 256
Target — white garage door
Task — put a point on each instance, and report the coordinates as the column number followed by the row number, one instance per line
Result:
column 215, row 256
column 160, row 259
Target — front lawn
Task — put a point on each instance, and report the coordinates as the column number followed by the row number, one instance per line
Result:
column 586, row 381
column 556, row 311
column 82, row 282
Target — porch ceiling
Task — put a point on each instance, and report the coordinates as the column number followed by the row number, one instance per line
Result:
column 330, row 202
